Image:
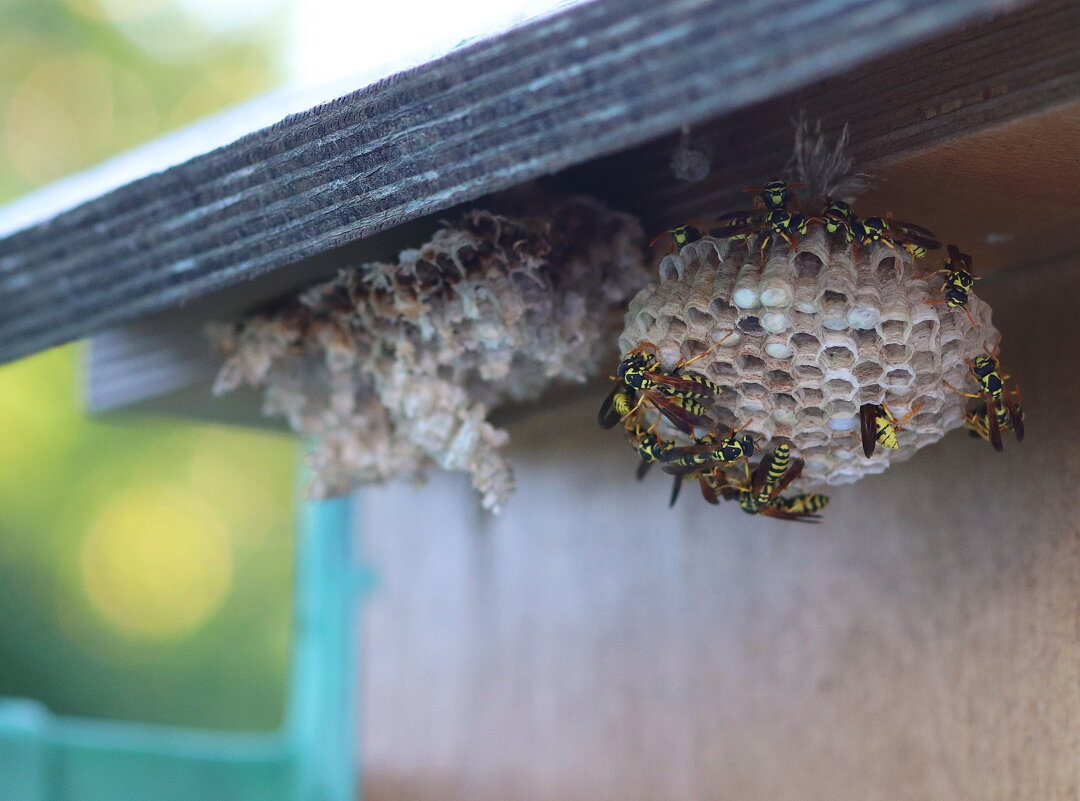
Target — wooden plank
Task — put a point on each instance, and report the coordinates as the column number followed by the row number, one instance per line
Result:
column 1033, row 221
column 906, row 103
column 591, row 644
column 596, row 79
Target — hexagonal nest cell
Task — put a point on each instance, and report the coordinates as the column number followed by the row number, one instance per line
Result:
column 393, row 367
column 811, row 335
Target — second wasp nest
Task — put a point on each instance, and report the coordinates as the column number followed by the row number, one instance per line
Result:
column 393, row 367
column 812, row 334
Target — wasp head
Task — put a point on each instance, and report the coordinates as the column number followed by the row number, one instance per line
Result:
column 874, row 226
column 984, row 366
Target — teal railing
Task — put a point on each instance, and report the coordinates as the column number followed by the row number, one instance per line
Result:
column 47, row 757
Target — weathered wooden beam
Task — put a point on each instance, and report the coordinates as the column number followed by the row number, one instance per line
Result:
column 947, row 174
column 596, row 79
column 918, row 99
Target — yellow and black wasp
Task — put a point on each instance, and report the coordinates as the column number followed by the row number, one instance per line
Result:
column 839, row 219
column 958, row 282
column 681, row 236
column 680, row 398
column 775, row 195
column 801, row 507
column 619, row 403
column 651, row 449
column 710, row 480
column 778, row 222
column 773, row 475
column 879, row 425
column 771, row 471
column 648, row 446
column 977, row 421
column 1000, row 406
column 707, row 453
column 894, row 234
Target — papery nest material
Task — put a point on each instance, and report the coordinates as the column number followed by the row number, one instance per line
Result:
column 393, row 367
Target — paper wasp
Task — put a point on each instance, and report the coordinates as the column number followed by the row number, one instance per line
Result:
column 681, row 399
column 879, row 425
column 801, row 507
column 708, row 453
column 838, row 218
column 915, row 239
column 618, row 404
column 1000, row 406
column 775, row 195
column 772, row 471
column 779, row 222
column 958, row 282
column 709, row 480
column 683, row 412
column 704, row 461
column 681, row 236
column 977, row 421
column 648, row 446
column 772, row 476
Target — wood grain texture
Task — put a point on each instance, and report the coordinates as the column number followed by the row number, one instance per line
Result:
column 163, row 364
column 1014, row 65
column 591, row 644
column 593, row 80
column 972, row 81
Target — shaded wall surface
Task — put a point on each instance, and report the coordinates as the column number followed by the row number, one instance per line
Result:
column 924, row 642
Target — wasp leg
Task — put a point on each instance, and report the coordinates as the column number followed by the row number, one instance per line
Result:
column 960, row 392
column 680, row 364
column 899, row 424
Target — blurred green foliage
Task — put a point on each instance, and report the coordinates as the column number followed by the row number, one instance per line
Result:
column 145, row 566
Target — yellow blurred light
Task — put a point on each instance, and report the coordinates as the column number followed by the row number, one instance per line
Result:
column 60, row 117
column 156, row 563
column 247, row 476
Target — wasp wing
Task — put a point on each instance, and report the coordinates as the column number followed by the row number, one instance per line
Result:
column 916, row 234
column 676, row 486
column 682, row 419
column 642, row 469
column 736, row 223
column 994, row 429
column 1016, row 416
column 676, row 383
column 792, row 473
column 707, row 491
column 760, row 474
column 868, row 413
column 784, row 514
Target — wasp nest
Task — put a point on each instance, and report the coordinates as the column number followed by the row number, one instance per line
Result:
column 814, row 334
column 394, row 366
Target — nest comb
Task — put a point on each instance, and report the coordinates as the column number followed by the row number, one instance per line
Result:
column 815, row 335
column 393, row 367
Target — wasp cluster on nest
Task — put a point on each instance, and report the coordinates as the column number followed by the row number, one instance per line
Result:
column 810, row 336
column 393, row 367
